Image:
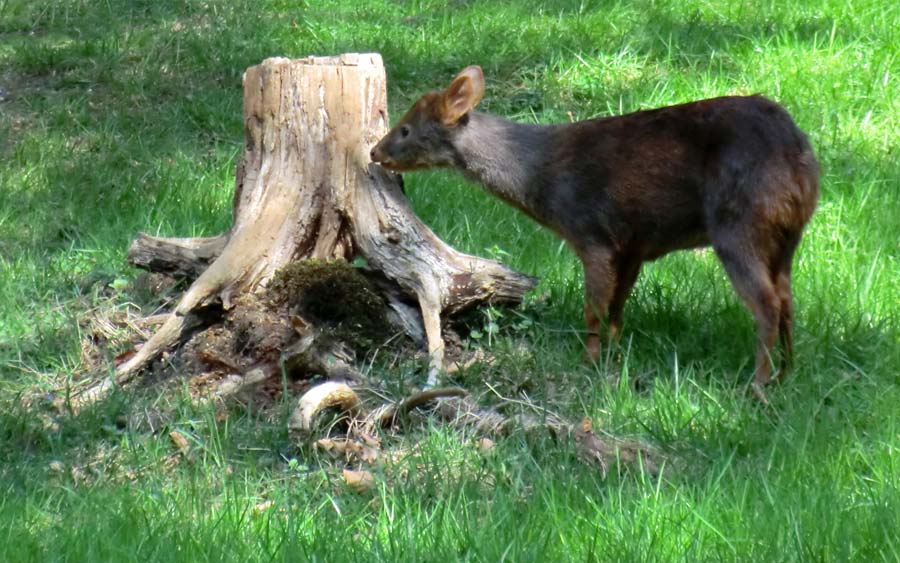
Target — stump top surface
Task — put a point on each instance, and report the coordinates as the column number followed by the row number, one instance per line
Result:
column 345, row 59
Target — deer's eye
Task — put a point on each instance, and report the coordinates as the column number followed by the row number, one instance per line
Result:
column 404, row 131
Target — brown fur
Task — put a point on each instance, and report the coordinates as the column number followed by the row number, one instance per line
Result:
column 732, row 172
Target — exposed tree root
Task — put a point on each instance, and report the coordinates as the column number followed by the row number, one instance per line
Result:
column 460, row 411
column 179, row 257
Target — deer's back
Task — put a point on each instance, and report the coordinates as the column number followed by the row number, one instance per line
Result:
column 662, row 179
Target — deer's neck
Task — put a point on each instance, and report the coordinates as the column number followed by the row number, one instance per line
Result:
column 504, row 156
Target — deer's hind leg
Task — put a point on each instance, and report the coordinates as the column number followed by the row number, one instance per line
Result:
column 627, row 270
column 781, row 278
column 749, row 270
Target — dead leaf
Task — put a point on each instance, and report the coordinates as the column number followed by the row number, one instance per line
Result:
column 477, row 357
column 350, row 449
column 301, row 325
column 263, row 506
column 78, row 475
column 124, row 357
column 359, row 481
column 369, row 439
column 586, row 425
column 369, row 455
column 180, row 442
column 213, row 359
column 170, row 461
column 484, row 444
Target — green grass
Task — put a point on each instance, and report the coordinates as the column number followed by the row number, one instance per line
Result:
column 119, row 117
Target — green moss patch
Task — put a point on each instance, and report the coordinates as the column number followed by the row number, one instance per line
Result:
column 336, row 297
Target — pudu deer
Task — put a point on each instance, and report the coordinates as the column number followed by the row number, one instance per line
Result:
column 733, row 172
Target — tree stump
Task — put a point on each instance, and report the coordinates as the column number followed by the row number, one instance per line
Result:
column 305, row 189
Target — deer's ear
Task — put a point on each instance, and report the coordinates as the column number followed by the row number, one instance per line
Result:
column 462, row 95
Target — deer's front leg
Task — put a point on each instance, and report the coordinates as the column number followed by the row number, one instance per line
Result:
column 599, row 283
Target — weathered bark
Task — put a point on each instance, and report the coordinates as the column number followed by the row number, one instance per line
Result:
column 305, row 189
